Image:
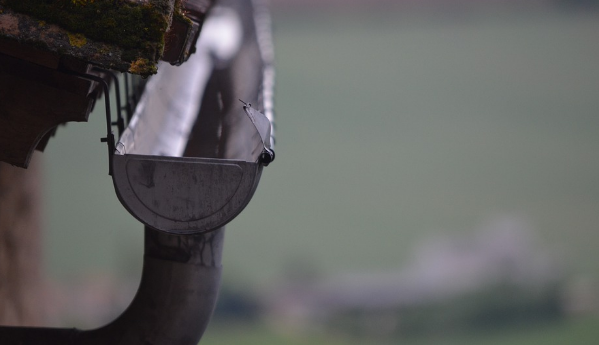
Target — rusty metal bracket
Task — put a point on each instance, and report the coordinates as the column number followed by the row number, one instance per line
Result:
column 120, row 121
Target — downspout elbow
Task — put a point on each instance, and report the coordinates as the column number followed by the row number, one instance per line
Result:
column 177, row 294
column 173, row 305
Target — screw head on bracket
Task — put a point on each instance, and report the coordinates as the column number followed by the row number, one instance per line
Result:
column 267, row 156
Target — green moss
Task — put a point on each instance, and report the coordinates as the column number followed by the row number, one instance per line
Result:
column 77, row 40
column 81, row 2
column 129, row 55
column 142, row 67
column 178, row 13
column 136, row 27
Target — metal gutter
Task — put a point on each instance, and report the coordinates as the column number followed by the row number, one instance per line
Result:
column 182, row 266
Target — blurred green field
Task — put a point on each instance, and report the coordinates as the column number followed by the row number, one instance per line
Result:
column 579, row 332
column 391, row 128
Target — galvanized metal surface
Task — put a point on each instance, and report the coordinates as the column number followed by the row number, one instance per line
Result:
column 194, row 194
column 184, row 195
column 171, row 101
column 263, row 30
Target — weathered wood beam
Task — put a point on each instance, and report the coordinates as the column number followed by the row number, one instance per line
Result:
column 126, row 35
column 46, row 37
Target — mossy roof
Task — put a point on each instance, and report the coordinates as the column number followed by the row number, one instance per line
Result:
column 127, row 35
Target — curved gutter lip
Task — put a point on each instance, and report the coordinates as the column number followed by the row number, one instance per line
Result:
column 263, row 28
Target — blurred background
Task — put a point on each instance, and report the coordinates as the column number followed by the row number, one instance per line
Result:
column 436, row 182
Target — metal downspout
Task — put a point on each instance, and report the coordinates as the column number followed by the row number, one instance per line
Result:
column 174, row 303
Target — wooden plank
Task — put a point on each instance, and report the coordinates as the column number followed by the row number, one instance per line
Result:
column 136, row 28
column 127, row 35
column 21, row 30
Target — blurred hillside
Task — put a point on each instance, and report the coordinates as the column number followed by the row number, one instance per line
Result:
column 451, row 5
